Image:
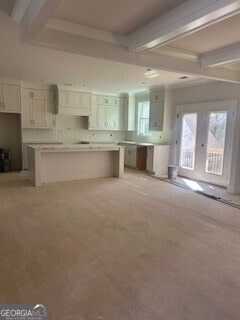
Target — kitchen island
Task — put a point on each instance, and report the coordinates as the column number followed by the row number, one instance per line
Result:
column 47, row 163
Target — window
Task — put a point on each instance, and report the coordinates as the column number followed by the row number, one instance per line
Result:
column 188, row 140
column 216, row 142
column 143, row 118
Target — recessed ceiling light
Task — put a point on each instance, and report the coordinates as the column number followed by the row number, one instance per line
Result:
column 184, row 77
column 150, row 73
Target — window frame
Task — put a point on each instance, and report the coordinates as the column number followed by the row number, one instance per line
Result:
column 140, row 118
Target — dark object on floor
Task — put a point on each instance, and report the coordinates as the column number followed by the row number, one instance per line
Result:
column 5, row 160
column 172, row 172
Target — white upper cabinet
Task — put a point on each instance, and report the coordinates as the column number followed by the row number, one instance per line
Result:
column 50, row 117
column 93, row 119
column 73, row 102
column 26, row 112
column 35, row 94
column 38, row 113
column 49, row 95
column 87, row 100
column 10, row 98
column 107, row 113
column 157, row 104
column 63, row 98
column 129, row 107
column 38, row 108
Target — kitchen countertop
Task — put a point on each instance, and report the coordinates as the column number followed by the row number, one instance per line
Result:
column 74, row 147
column 42, row 142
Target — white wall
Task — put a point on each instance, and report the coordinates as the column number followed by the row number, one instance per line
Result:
column 70, row 130
column 215, row 91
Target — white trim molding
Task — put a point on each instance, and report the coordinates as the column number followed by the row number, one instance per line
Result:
column 85, row 31
column 220, row 57
column 233, row 189
column 191, row 16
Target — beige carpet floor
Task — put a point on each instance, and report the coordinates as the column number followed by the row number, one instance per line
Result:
column 131, row 249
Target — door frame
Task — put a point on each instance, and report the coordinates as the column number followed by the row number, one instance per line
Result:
column 223, row 105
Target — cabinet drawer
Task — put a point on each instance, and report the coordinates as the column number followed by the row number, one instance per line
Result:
column 32, row 93
column 105, row 100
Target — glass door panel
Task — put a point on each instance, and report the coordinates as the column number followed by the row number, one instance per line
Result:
column 216, row 142
column 188, row 141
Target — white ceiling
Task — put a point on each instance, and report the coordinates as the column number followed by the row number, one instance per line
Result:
column 31, row 63
column 219, row 35
column 118, row 16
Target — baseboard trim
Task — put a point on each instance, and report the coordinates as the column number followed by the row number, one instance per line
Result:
column 233, row 189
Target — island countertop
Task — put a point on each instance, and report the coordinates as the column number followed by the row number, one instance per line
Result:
column 74, row 147
column 53, row 163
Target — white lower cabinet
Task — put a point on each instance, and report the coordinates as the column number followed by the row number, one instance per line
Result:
column 130, row 156
column 158, row 159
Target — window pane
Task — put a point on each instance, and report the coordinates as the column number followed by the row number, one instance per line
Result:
column 216, row 142
column 143, row 118
column 188, row 141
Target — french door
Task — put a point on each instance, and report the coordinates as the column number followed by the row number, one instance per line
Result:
column 204, row 143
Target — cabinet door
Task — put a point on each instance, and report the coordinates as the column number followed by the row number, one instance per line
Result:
column 1, row 98
column 92, row 120
column 26, row 112
column 149, row 166
column 11, row 98
column 102, row 117
column 37, row 94
column 38, row 113
column 50, row 117
column 75, row 99
column 133, row 157
column 130, row 156
column 110, row 110
column 86, row 100
column 126, row 156
column 94, row 99
column 118, row 118
column 63, row 98
column 156, row 116
column 49, row 95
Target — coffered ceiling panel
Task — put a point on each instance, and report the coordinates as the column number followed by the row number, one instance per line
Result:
column 118, row 16
column 219, row 35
